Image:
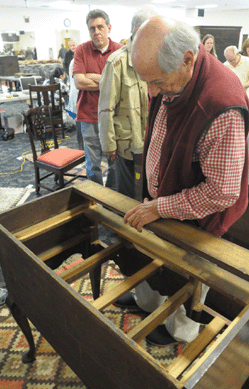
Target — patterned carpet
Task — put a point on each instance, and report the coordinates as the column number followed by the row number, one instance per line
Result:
column 11, row 197
column 49, row 371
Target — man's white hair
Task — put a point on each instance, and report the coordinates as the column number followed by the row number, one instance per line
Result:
column 140, row 17
column 234, row 49
column 175, row 43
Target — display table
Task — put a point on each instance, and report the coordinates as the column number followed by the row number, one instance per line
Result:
column 59, row 224
column 20, row 97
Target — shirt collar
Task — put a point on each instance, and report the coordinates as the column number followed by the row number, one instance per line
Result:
column 107, row 48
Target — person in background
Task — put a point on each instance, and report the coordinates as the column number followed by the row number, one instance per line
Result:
column 69, row 55
column 58, row 77
column 195, row 154
column 123, row 110
column 89, row 61
column 7, row 50
column 245, row 48
column 72, row 109
column 209, row 44
column 239, row 64
column 34, row 53
column 28, row 54
column 62, row 52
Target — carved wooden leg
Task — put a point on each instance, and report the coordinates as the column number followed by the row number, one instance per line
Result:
column 195, row 299
column 95, row 281
column 37, row 179
column 61, row 180
column 22, row 321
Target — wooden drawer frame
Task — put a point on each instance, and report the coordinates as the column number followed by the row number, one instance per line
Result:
column 98, row 352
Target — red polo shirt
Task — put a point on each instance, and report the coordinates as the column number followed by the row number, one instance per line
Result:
column 89, row 59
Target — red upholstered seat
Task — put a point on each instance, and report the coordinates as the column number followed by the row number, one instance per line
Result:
column 60, row 157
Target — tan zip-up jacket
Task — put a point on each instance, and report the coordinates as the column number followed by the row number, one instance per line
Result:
column 123, row 106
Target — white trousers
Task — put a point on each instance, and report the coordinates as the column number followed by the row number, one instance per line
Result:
column 181, row 327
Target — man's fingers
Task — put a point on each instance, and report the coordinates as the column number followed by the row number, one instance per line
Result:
column 127, row 215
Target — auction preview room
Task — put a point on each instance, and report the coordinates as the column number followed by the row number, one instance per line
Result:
column 50, row 31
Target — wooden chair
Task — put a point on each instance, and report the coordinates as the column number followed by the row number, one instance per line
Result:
column 55, row 161
column 48, row 92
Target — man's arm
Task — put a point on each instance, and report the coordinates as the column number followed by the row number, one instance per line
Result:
column 87, row 81
column 221, row 156
column 109, row 97
column 83, row 79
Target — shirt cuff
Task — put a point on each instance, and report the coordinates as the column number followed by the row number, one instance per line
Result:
column 169, row 206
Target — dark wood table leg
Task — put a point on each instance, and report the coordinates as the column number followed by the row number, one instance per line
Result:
column 95, row 275
column 22, row 321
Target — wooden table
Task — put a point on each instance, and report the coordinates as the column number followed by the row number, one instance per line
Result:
column 21, row 97
column 64, row 222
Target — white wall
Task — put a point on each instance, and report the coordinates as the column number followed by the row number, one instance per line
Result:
column 48, row 24
column 44, row 23
column 238, row 18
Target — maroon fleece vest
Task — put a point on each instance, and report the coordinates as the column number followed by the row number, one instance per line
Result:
column 212, row 90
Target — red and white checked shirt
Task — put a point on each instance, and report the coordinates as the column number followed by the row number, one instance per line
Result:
column 221, row 153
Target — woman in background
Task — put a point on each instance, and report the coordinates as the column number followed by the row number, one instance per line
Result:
column 245, row 48
column 208, row 42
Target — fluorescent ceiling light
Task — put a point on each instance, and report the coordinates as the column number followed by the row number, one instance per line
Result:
column 204, row 6
column 67, row 5
column 162, row 1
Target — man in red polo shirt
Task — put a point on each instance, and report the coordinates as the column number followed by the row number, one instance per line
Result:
column 89, row 61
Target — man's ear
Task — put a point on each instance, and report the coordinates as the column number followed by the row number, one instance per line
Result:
column 189, row 59
column 109, row 28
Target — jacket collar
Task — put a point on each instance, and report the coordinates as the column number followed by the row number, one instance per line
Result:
column 128, row 48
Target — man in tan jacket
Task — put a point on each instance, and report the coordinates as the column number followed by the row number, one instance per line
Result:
column 123, row 110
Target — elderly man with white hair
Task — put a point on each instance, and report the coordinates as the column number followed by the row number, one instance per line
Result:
column 195, row 155
column 239, row 64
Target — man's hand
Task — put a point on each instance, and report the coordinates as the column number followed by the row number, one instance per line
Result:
column 142, row 214
column 111, row 155
column 94, row 77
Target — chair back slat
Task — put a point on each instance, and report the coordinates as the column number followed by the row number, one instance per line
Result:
column 36, row 122
column 48, row 95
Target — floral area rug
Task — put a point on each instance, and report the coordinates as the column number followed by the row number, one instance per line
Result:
column 49, row 371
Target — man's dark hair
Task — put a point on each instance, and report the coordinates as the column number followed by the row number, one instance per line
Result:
column 97, row 13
